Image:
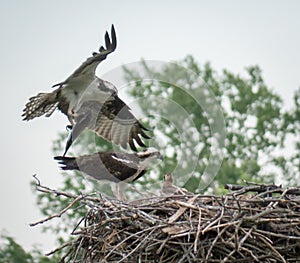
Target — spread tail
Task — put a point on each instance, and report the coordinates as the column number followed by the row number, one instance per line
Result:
column 67, row 163
column 41, row 104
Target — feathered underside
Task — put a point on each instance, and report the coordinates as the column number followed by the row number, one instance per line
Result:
column 110, row 119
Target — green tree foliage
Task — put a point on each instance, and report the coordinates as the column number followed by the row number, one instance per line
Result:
column 255, row 126
column 12, row 252
column 250, row 137
column 289, row 161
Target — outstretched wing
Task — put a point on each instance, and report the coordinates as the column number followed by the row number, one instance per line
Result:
column 112, row 121
column 117, row 124
column 66, row 95
column 89, row 66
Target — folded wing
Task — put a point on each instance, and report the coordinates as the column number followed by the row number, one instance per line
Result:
column 112, row 166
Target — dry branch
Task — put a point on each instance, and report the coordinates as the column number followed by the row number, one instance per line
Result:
column 236, row 227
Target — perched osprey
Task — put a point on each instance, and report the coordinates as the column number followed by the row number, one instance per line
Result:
column 90, row 102
column 117, row 167
column 170, row 189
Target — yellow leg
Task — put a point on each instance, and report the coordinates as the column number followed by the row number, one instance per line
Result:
column 119, row 191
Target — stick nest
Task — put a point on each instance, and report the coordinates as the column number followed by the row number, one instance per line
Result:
column 263, row 226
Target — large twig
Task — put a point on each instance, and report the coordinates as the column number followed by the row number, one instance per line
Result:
column 230, row 228
column 58, row 214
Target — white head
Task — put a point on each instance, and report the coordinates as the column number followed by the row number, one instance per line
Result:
column 149, row 154
column 106, row 86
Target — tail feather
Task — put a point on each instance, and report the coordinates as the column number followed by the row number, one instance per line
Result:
column 41, row 104
column 67, row 163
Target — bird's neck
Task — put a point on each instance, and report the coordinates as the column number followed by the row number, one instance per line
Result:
column 145, row 163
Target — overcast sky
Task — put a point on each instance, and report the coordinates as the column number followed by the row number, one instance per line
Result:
column 42, row 42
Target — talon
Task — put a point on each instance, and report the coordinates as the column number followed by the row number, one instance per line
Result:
column 71, row 117
column 69, row 143
column 69, row 127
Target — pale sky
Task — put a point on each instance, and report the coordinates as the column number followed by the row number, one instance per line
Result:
column 42, row 42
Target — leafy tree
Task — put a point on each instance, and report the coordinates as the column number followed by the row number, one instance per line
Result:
column 289, row 161
column 12, row 252
column 210, row 126
column 254, row 121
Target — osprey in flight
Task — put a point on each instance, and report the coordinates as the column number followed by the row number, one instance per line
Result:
column 117, row 167
column 90, row 102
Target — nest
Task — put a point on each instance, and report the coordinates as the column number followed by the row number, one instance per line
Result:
column 263, row 226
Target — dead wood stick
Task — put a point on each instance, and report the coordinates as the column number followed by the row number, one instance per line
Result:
column 198, row 232
column 181, row 210
column 59, row 248
column 262, row 188
column 58, row 214
column 263, row 238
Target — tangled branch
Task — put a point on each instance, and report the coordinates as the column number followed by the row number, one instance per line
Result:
column 236, row 227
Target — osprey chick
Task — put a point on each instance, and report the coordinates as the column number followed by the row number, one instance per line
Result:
column 170, row 189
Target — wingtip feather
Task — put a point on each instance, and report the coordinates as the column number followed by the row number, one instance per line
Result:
column 107, row 40
column 139, row 141
column 131, row 144
column 113, row 37
column 144, row 135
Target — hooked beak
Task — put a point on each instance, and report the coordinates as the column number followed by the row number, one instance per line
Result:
column 160, row 157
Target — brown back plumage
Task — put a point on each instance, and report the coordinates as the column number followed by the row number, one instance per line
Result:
column 109, row 166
